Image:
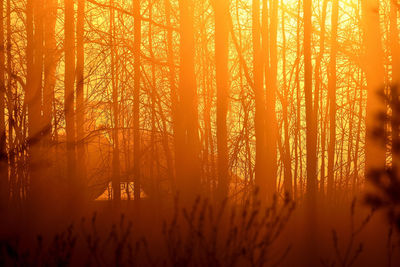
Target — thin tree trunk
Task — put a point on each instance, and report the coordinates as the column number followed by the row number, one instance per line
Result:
column 311, row 138
column 153, row 93
column 358, row 138
column 287, row 160
column 173, row 92
column 50, row 65
column 395, row 53
column 116, row 181
column 310, row 123
column 208, row 95
column 332, row 99
column 324, row 120
column 261, row 160
column 318, row 80
column 350, row 134
column 33, row 98
column 80, row 99
column 271, row 128
column 3, row 149
column 69, row 83
column 298, row 171
column 270, row 180
column 136, row 98
column 13, row 184
column 222, row 79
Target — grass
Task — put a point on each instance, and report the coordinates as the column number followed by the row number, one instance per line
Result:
column 203, row 234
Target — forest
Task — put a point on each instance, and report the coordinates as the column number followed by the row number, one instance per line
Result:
column 199, row 133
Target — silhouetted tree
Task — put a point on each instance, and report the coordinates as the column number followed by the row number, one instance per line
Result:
column 222, row 79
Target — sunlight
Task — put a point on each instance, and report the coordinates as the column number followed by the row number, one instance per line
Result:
column 199, row 133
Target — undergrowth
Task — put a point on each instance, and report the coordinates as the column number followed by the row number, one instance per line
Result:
column 205, row 234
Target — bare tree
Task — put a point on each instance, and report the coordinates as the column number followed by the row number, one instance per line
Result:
column 395, row 83
column 80, row 98
column 136, row 97
column 33, row 95
column 69, row 96
column 3, row 137
column 374, row 151
column 259, row 119
column 116, row 181
column 187, row 158
column 222, row 78
column 332, row 99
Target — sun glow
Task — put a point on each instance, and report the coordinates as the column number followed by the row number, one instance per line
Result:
column 188, row 118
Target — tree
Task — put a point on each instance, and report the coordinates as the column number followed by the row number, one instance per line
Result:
column 222, row 79
column 192, row 93
column 374, row 151
column 271, row 73
column 69, row 96
column 287, row 160
column 318, row 90
column 136, row 97
column 80, row 99
column 332, row 99
column 33, row 94
column 259, row 119
column 187, row 158
column 311, row 138
column 50, row 65
column 177, row 132
column 3, row 148
column 116, row 183
column 311, row 135
column 298, row 168
column 395, row 83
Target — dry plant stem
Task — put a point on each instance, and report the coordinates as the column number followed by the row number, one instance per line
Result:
column 349, row 256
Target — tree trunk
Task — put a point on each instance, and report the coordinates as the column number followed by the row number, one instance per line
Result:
column 222, row 79
column 136, row 98
column 33, row 95
column 374, row 150
column 188, row 174
column 173, row 91
column 310, row 122
column 12, row 151
column 311, row 139
column 69, row 83
column 298, row 171
column 154, row 175
column 395, row 84
column 271, row 128
column 3, row 149
column 261, row 159
column 318, row 80
column 332, row 99
column 80, row 99
column 287, row 160
column 50, row 64
column 116, row 183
